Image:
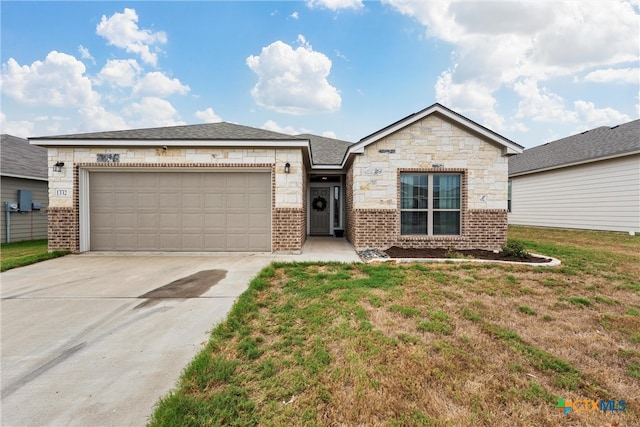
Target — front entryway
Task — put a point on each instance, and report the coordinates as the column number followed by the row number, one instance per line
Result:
column 319, row 213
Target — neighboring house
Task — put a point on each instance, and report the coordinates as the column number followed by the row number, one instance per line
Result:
column 433, row 179
column 23, row 172
column 585, row 181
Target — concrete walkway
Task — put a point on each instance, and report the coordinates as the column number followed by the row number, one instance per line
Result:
column 81, row 345
column 318, row 248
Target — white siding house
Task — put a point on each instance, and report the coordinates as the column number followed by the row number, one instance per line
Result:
column 586, row 181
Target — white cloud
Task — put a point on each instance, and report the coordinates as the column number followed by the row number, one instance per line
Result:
column 470, row 97
column 96, row 119
column 153, row 112
column 121, row 30
column 158, row 84
column 208, row 116
column 120, row 72
column 329, row 134
column 295, row 15
column 592, row 117
column 275, row 127
column 611, row 75
column 85, row 54
column 335, row 4
column 293, row 81
column 22, row 128
column 499, row 43
column 58, row 81
column 540, row 105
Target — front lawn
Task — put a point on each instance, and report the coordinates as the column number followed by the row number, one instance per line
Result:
column 19, row 254
column 427, row 344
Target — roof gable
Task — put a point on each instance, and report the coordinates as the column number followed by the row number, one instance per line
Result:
column 592, row 145
column 22, row 160
column 508, row 147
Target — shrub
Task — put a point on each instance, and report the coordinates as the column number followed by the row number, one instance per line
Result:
column 514, row 248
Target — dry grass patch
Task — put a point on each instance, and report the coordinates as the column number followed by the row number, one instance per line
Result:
column 426, row 344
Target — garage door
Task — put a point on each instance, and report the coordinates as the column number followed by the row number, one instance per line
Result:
column 180, row 211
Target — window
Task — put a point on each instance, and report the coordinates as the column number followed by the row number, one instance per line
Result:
column 509, row 196
column 430, row 204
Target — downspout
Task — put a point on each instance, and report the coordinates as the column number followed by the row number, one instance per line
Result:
column 7, row 222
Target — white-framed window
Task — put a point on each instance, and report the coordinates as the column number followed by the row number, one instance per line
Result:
column 430, row 203
column 509, row 196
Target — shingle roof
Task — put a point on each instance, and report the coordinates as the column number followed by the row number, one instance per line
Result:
column 598, row 143
column 19, row 158
column 208, row 131
column 326, row 151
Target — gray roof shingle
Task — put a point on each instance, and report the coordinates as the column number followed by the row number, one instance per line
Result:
column 207, row 131
column 326, row 151
column 598, row 143
column 19, row 158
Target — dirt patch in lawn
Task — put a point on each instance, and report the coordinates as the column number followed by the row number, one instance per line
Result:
column 396, row 252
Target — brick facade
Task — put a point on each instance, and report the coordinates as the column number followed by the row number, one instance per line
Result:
column 288, row 229
column 380, row 228
column 348, row 207
column 63, row 229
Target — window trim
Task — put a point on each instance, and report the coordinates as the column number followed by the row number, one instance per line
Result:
column 430, row 210
column 464, row 176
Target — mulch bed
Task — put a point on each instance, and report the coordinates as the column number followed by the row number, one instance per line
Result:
column 395, row 252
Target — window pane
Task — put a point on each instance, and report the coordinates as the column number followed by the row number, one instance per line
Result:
column 446, row 191
column 336, row 207
column 413, row 190
column 446, row 223
column 413, row 223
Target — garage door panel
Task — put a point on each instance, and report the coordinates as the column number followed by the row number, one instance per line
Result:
column 125, row 199
column 195, row 211
column 125, row 220
column 124, row 239
column 192, row 200
column 258, row 221
column 192, row 242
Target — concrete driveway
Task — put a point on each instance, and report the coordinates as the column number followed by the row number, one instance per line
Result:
column 81, row 347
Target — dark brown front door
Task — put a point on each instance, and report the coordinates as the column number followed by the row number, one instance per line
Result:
column 320, row 209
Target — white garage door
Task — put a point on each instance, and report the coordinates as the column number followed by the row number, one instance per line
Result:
column 180, row 211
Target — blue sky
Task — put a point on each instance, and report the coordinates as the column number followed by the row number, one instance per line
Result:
column 531, row 71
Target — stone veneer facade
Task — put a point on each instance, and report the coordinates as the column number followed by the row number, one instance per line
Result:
column 430, row 145
column 288, row 228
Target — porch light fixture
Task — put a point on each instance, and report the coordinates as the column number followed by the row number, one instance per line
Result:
column 287, row 167
column 58, row 166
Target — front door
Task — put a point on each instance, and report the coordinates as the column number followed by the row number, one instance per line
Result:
column 320, row 208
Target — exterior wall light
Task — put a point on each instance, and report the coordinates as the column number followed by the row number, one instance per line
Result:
column 58, row 166
column 287, row 167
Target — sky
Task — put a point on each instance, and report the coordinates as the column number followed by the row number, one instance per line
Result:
column 532, row 71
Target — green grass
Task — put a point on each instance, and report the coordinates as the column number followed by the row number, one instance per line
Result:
column 20, row 254
column 424, row 344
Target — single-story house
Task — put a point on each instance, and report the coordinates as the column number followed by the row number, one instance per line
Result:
column 24, row 195
column 432, row 179
column 585, row 181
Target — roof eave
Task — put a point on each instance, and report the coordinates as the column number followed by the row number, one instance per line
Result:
column 567, row 165
column 54, row 142
column 34, row 178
